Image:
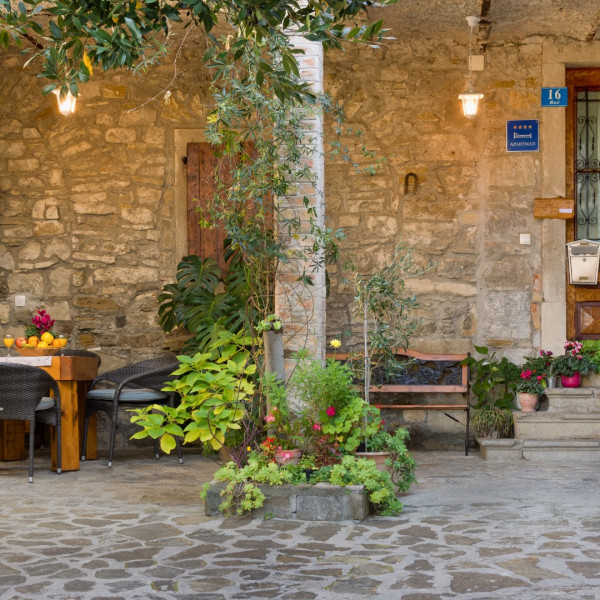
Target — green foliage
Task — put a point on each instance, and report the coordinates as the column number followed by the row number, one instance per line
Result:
column 531, row 382
column 591, row 349
column 378, row 484
column 271, row 323
column 401, row 463
column 493, row 422
column 493, row 381
column 261, row 138
column 242, row 495
column 573, row 361
column 133, row 35
column 203, row 300
column 216, row 390
column 384, row 307
column 543, row 364
column 329, row 397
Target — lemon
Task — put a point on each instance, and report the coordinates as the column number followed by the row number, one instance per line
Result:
column 47, row 337
column 43, row 344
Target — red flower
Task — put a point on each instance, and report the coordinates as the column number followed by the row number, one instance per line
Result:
column 330, row 411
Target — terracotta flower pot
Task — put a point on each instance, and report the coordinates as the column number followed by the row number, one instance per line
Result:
column 378, row 457
column 571, row 382
column 528, row 402
column 288, row 457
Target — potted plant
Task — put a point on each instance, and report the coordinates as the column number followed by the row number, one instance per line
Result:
column 573, row 364
column 493, row 384
column 544, row 365
column 529, row 387
column 396, row 459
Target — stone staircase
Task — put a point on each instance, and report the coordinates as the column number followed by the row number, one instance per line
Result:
column 566, row 426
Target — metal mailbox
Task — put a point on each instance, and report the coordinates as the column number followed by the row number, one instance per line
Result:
column 583, row 256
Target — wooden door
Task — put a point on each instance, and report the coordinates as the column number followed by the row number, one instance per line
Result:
column 583, row 184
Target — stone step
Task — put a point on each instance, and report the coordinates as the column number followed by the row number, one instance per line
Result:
column 571, row 400
column 502, row 450
column 556, row 426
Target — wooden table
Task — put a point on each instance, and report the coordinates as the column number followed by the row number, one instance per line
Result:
column 73, row 375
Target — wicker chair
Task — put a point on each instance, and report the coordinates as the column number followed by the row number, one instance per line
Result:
column 23, row 397
column 135, row 385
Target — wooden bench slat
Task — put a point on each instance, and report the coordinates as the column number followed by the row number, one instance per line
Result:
column 423, row 406
column 391, row 388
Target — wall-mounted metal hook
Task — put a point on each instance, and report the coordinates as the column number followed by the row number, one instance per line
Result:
column 411, row 183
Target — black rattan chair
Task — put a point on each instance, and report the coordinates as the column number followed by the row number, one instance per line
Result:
column 135, row 385
column 24, row 397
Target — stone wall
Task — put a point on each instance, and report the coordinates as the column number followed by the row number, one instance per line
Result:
column 87, row 206
column 472, row 201
column 91, row 205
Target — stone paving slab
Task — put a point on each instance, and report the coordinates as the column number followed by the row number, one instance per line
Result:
column 470, row 530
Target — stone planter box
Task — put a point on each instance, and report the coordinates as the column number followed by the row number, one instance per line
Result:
column 320, row 502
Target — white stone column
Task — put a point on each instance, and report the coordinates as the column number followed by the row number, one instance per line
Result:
column 302, row 307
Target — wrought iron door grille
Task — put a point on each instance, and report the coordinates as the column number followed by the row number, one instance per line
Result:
column 587, row 163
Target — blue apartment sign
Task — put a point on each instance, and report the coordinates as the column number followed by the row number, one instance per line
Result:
column 522, row 136
column 554, row 96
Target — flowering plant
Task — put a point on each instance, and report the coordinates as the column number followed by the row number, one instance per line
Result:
column 40, row 323
column 530, row 383
column 573, row 361
column 286, row 432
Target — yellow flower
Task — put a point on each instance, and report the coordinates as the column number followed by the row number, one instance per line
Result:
column 88, row 63
column 248, row 449
column 335, row 344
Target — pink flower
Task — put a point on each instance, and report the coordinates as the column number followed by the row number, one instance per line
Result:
column 269, row 418
column 539, row 378
column 317, row 427
column 330, row 411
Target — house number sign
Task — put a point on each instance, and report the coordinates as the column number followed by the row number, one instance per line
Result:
column 554, row 96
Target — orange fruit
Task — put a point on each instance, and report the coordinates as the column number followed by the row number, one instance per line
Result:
column 56, row 343
column 33, row 340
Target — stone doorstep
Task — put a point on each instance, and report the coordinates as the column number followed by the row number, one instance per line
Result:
column 556, row 426
column 319, row 502
column 508, row 450
column 573, row 400
column 500, row 450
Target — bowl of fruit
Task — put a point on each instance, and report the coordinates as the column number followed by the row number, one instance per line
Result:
column 44, row 345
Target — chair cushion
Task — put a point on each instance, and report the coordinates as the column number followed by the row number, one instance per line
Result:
column 128, row 395
column 45, row 403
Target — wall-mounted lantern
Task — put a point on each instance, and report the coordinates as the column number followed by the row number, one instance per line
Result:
column 470, row 98
column 583, row 256
column 66, row 105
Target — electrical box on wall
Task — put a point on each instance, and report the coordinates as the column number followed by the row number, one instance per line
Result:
column 583, row 256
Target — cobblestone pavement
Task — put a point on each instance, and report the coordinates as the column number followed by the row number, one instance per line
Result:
column 471, row 530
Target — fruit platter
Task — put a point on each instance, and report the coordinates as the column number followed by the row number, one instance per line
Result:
column 44, row 345
column 38, row 340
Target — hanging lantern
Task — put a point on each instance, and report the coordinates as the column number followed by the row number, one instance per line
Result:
column 66, row 105
column 470, row 98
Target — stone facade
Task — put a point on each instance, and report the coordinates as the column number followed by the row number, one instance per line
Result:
column 91, row 205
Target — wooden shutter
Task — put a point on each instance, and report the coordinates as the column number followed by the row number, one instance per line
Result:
column 201, row 187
